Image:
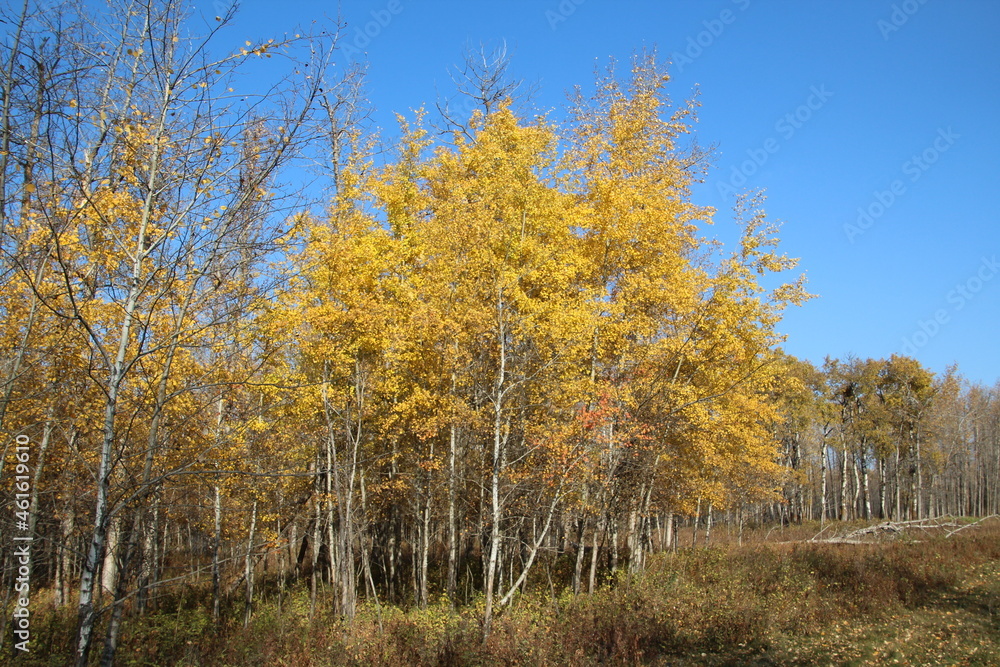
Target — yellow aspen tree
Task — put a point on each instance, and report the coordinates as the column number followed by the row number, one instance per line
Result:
column 683, row 337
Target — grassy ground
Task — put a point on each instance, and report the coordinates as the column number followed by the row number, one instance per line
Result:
column 930, row 601
column 956, row 626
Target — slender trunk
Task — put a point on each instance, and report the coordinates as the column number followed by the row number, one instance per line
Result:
column 918, row 498
column 317, row 540
column 645, row 536
column 127, row 559
column 293, row 546
column 64, row 564
column 795, row 511
column 216, row 548
column 863, row 472
column 898, row 488
column 614, row 544
column 996, row 472
column 708, row 524
column 5, row 121
column 327, row 484
column 697, row 518
column 111, row 639
column 36, row 483
column 843, row 485
column 932, row 508
column 495, row 517
column 533, row 551
column 248, row 566
column 365, row 564
column 632, row 540
column 95, row 551
column 425, row 545
column 882, row 509
column 578, row 566
column 150, row 539
column 856, row 501
column 452, row 516
column 594, row 548
column 739, row 513
column 344, row 489
column 824, row 454
column 497, row 468
column 347, row 567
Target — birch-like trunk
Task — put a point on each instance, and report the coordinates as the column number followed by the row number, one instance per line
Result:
column 918, row 497
column 594, row 548
column 823, row 454
column 452, row 582
column 248, row 566
column 425, row 542
column 898, row 488
column 578, row 565
column 216, row 548
column 863, row 473
column 844, row 506
column 96, row 548
column 496, row 470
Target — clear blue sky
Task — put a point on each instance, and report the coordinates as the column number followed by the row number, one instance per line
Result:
column 873, row 127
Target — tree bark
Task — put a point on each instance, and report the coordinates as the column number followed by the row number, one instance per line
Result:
column 216, row 548
column 248, row 566
column 452, row 582
column 498, row 464
column 594, row 549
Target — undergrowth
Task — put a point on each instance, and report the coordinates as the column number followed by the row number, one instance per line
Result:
column 693, row 602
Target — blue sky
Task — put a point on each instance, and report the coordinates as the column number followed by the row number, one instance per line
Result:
column 871, row 125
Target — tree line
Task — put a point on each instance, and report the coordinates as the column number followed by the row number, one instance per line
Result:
column 500, row 343
column 887, row 439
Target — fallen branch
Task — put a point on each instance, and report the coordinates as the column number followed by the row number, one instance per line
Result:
column 816, row 536
column 974, row 523
column 895, row 528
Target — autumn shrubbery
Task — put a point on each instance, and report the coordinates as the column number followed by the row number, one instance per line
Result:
column 722, row 601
